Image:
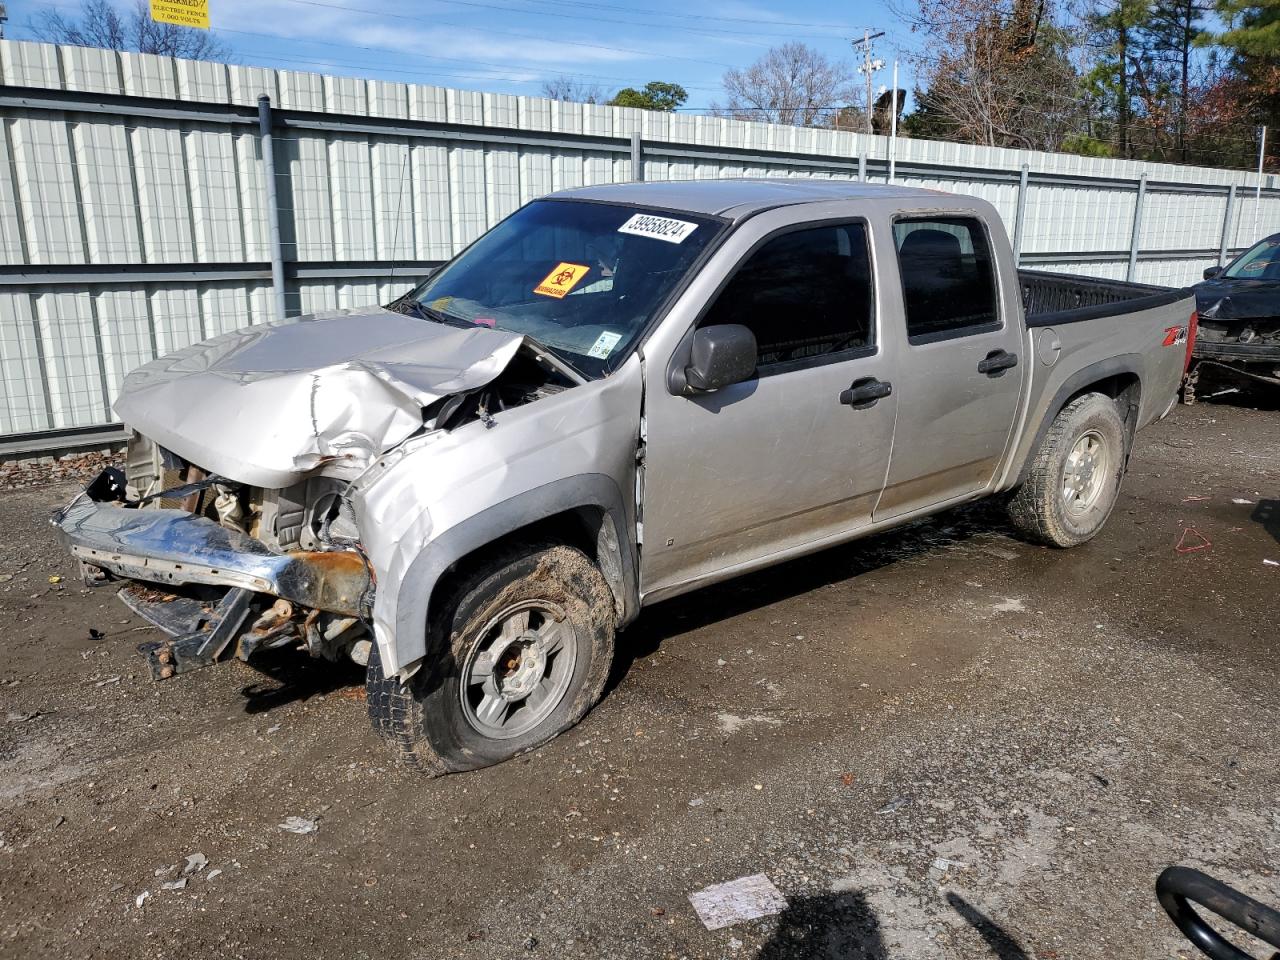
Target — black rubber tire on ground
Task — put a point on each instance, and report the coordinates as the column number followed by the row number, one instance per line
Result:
column 424, row 718
column 1038, row 508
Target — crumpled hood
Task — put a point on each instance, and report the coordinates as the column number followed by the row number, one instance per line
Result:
column 267, row 404
column 1229, row 299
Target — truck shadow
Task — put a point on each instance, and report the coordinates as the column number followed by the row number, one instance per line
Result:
column 290, row 677
column 837, row 564
column 1267, row 513
column 844, row 926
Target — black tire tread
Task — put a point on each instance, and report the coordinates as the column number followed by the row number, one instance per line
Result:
column 1031, row 509
column 397, row 713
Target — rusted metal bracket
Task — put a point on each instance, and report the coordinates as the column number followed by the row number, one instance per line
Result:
column 206, row 645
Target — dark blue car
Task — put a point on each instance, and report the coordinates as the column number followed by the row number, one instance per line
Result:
column 1239, row 308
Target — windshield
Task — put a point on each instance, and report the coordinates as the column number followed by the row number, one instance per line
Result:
column 1260, row 262
column 581, row 278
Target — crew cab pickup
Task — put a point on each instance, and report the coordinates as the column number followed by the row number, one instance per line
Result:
column 616, row 395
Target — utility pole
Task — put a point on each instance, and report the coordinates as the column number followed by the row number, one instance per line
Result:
column 869, row 67
column 1257, row 189
column 4, row 15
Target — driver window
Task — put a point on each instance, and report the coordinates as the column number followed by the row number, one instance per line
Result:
column 806, row 295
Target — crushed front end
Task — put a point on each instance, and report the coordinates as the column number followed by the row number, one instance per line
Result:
column 226, row 569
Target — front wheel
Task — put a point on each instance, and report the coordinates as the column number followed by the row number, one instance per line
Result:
column 1074, row 480
column 518, row 652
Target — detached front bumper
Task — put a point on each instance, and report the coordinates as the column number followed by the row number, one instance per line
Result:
column 174, row 547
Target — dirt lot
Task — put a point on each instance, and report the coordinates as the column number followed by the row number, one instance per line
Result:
column 939, row 743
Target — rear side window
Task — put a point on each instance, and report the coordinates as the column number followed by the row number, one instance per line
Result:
column 948, row 278
column 806, row 295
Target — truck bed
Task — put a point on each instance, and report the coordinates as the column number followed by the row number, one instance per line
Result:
column 1050, row 299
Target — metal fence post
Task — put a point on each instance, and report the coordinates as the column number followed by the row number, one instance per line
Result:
column 273, row 207
column 637, row 157
column 1021, row 214
column 1226, row 225
column 862, row 167
column 1137, row 228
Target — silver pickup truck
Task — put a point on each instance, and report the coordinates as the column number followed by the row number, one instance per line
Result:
column 616, row 395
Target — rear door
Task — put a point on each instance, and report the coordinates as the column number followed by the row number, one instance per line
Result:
column 789, row 457
column 959, row 372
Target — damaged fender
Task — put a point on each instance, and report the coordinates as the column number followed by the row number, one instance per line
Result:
column 440, row 497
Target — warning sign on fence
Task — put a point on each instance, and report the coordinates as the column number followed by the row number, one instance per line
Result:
column 181, row 13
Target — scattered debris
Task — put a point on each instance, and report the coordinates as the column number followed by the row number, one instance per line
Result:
column 55, row 579
column 696, row 802
column 14, row 716
column 211, row 874
column 1241, row 500
column 1201, row 542
column 846, row 779
column 142, row 898
column 1195, row 499
column 530, row 942
column 1009, row 605
column 103, row 683
column 1272, row 563
column 731, row 723
column 96, row 634
column 299, row 825
column 195, row 863
column 943, row 864
column 895, row 804
column 38, row 471
column 179, row 884
column 746, row 898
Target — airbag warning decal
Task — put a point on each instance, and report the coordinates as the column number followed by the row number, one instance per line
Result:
column 561, row 280
column 659, row 228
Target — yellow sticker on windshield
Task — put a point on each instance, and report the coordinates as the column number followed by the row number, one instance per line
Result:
column 561, row 280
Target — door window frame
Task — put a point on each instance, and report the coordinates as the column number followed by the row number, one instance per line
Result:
column 940, row 336
column 790, row 366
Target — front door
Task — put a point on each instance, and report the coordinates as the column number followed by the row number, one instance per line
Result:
column 959, row 371
column 799, row 453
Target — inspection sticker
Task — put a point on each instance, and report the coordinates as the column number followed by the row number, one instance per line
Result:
column 561, row 280
column 659, row 228
column 604, row 345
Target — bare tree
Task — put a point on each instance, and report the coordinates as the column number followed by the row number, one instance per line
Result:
column 101, row 24
column 997, row 73
column 794, row 84
column 575, row 91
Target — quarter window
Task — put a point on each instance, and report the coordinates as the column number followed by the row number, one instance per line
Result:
column 948, row 278
column 806, row 295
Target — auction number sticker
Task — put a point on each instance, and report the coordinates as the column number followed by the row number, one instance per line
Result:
column 604, row 345
column 561, row 280
column 659, row 228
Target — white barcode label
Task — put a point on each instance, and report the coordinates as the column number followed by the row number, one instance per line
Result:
column 659, row 228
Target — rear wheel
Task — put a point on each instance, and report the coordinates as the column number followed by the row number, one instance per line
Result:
column 1074, row 480
column 518, row 652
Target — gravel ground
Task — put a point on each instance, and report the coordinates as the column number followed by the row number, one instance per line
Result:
column 941, row 742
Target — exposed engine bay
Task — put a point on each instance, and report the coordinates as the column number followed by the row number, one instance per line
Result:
column 231, row 568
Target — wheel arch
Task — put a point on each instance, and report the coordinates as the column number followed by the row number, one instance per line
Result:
column 585, row 511
column 1118, row 378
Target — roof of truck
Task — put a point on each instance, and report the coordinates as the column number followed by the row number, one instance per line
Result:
column 740, row 196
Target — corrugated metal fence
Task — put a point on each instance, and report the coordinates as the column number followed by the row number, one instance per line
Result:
column 135, row 219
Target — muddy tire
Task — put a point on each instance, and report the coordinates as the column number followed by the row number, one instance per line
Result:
column 1075, row 477
column 518, row 652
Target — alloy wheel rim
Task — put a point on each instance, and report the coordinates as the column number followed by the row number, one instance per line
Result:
column 1084, row 475
column 519, row 670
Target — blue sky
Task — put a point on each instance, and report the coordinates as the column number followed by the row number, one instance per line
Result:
column 513, row 46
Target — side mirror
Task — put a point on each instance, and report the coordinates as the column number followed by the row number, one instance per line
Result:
column 1211, row 272
column 721, row 355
